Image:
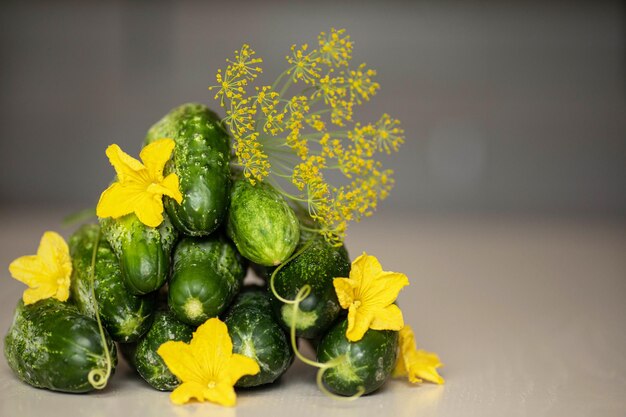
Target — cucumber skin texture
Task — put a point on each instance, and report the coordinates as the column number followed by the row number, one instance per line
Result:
column 125, row 316
column 317, row 266
column 145, row 358
column 256, row 333
column 370, row 360
column 51, row 345
column 209, row 270
column 143, row 252
column 261, row 223
column 201, row 161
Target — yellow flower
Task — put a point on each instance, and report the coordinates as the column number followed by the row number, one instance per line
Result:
column 369, row 295
column 418, row 365
column 47, row 274
column 141, row 186
column 207, row 366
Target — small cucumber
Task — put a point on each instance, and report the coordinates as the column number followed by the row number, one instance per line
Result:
column 261, row 223
column 143, row 251
column 368, row 362
column 145, row 358
column 316, row 266
column 51, row 345
column 256, row 334
column 206, row 276
column 125, row 316
column 201, row 162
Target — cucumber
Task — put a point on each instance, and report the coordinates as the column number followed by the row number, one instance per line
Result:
column 316, row 266
column 256, row 334
column 145, row 358
column 261, row 223
column 207, row 274
column 143, row 251
column 125, row 316
column 201, row 161
column 368, row 363
column 51, row 345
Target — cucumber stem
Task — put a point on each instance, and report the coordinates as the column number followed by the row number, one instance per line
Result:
column 98, row 378
column 320, row 384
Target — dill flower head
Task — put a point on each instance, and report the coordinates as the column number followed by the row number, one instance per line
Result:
column 295, row 138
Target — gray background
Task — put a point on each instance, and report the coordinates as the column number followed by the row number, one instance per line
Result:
column 509, row 107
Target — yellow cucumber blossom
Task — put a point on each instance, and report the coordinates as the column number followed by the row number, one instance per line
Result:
column 416, row 364
column 140, row 187
column 47, row 273
column 369, row 295
column 207, row 366
column 298, row 140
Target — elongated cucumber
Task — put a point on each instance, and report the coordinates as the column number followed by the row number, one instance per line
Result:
column 51, row 345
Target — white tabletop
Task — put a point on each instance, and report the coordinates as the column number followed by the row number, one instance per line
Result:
column 528, row 315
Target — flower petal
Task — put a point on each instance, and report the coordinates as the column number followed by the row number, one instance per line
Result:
column 55, row 254
column 344, row 287
column 149, row 209
column 172, row 188
column 28, row 269
column 223, row 394
column 388, row 318
column 359, row 320
column 155, row 155
column 212, row 346
column 384, row 289
column 118, row 200
column 179, row 358
column 416, row 364
column 424, row 365
column 238, row 366
column 366, row 267
column 126, row 167
column 187, row 391
column 41, row 292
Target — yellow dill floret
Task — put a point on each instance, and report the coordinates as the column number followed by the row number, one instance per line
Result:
column 360, row 84
column 245, row 65
column 335, row 49
column 252, row 158
column 304, row 65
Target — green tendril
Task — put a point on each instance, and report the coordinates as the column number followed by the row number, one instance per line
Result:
column 279, row 267
column 323, row 367
column 98, row 378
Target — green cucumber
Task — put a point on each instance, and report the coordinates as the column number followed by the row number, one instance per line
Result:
column 368, row 363
column 261, row 223
column 207, row 274
column 145, row 358
column 143, row 251
column 51, row 345
column 317, row 266
column 125, row 316
column 201, row 162
column 256, row 334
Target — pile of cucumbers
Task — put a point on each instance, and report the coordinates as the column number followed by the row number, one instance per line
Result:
column 149, row 285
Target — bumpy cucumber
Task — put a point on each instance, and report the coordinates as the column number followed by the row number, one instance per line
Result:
column 316, row 266
column 262, row 225
column 368, row 363
column 201, row 161
column 143, row 251
column 256, row 334
column 51, row 345
column 144, row 355
column 206, row 276
column 125, row 316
